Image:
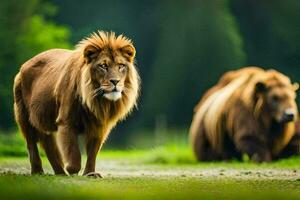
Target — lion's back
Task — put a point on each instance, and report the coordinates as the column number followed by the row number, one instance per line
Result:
column 49, row 58
column 38, row 77
column 46, row 62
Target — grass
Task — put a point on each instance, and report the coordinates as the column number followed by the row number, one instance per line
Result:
column 176, row 152
column 168, row 171
column 12, row 145
column 132, row 180
column 50, row 187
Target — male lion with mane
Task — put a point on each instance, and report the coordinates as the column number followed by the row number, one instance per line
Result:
column 61, row 93
column 249, row 111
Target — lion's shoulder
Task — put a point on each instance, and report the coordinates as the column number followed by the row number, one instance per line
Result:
column 52, row 56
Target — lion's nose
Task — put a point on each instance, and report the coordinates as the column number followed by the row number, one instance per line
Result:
column 114, row 81
column 288, row 115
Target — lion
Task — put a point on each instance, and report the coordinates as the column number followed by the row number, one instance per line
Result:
column 60, row 93
column 250, row 112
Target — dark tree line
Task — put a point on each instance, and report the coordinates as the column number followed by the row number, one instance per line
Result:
column 182, row 46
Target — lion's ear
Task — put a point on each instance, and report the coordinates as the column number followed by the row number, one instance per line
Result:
column 296, row 86
column 260, row 87
column 90, row 52
column 129, row 52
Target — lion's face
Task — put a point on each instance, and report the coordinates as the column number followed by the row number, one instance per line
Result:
column 280, row 99
column 108, row 74
column 109, row 69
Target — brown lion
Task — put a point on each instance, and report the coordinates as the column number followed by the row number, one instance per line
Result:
column 249, row 111
column 61, row 93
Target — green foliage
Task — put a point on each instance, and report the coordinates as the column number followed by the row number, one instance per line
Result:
column 24, row 32
column 183, row 47
column 170, row 154
column 270, row 33
column 13, row 15
column 195, row 37
column 40, row 36
column 133, row 179
column 175, row 151
column 12, row 145
column 56, row 187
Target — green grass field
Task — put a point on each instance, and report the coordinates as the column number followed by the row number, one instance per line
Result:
column 165, row 172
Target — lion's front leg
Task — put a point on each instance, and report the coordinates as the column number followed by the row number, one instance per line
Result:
column 93, row 145
column 69, row 148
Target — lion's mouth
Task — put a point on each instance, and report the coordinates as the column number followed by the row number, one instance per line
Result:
column 114, row 95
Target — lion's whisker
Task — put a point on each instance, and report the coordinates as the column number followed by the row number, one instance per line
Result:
column 97, row 89
column 97, row 92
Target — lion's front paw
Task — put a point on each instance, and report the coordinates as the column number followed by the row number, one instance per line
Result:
column 93, row 175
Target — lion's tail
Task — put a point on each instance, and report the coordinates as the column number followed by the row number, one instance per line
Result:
column 19, row 106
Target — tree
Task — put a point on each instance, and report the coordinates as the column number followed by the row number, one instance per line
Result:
column 23, row 33
column 199, row 41
column 271, row 33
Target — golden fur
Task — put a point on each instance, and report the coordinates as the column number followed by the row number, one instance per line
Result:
column 105, row 111
column 68, row 83
column 214, row 113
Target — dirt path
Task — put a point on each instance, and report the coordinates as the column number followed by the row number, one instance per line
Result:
column 116, row 169
column 123, row 169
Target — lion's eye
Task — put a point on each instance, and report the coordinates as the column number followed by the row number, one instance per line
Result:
column 122, row 67
column 103, row 66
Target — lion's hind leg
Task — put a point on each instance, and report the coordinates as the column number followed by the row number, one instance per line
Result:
column 29, row 132
column 31, row 136
column 49, row 144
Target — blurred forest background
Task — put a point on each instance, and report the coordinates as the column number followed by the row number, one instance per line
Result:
column 183, row 47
